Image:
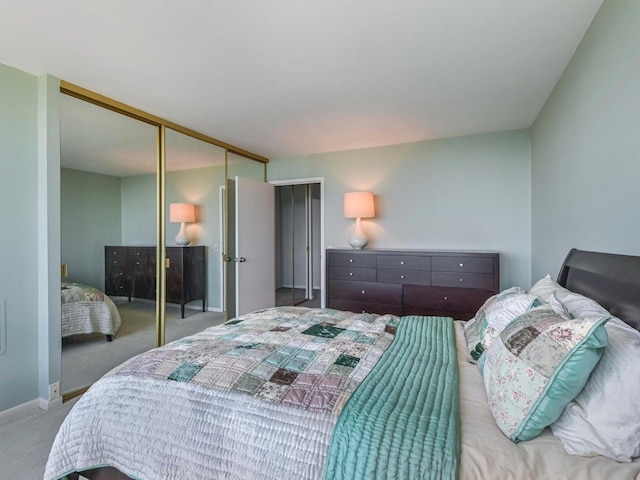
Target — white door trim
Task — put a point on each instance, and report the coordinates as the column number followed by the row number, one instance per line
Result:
column 304, row 181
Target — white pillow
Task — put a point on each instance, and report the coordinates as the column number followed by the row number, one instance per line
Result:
column 576, row 305
column 604, row 419
column 544, row 287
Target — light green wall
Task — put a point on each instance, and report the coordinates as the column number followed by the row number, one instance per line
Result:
column 139, row 210
column 586, row 146
column 469, row 193
column 90, row 218
column 18, row 242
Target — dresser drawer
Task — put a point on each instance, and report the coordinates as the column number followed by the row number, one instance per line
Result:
column 116, row 256
column 463, row 264
column 404, row 262
column 484, row 281
column 369, row 292
column 458, row 303
column 365, row 307
column 353, row 273
column 353, row 260
column 412, row 277
column 445, row 298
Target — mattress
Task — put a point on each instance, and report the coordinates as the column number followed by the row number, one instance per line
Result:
column 86, row 309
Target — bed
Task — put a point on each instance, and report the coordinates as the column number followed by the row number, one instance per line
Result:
column 310, row 393
column 86, row 309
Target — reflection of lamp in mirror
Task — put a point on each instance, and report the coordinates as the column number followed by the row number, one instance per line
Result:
column 182, row 213
column 358, row 205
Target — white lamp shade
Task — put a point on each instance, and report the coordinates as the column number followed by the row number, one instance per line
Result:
column 358, row 205
column 182, row 212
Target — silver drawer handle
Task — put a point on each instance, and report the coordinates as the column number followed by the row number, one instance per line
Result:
column 364, row 291
column 446, row 298
column 351, row 260
column 462, row 264
column 115, row 261
column 401, row 276
column 402, row 263
column 351, row 274
column 462, row 279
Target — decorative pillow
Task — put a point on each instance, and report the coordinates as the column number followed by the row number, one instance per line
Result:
column 544, row 287
column 604, row 418
column 474, row 328
column 539, row 363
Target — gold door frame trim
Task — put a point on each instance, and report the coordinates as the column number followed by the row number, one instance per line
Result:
column 111, row 104
column 161, row 251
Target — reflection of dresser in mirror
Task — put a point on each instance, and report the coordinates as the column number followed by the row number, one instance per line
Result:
column 131, row 272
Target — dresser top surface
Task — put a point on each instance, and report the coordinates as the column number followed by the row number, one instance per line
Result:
column 413, row 251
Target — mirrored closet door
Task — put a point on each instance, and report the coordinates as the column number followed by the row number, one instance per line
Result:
column 298, row 248
column 144, row 230
column 108, row 239
column 194, row 187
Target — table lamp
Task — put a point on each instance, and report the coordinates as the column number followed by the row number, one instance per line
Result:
column 182, row 213
column 358, row 205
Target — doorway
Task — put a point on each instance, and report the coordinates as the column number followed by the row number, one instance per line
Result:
column 299, row 243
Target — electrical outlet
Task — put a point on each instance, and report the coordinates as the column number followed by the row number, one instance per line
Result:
column 54, row 391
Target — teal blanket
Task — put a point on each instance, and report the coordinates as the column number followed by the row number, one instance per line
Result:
column 403, row 421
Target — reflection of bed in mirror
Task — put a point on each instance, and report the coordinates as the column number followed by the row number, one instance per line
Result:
column 86, row 310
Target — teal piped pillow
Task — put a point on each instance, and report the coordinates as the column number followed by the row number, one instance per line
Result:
column 538, row 364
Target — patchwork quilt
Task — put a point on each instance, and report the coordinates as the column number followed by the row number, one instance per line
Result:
column 310, row 359
column 257, row 397
column 86, row 309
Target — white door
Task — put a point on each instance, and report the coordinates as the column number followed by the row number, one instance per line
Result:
column 255, row 245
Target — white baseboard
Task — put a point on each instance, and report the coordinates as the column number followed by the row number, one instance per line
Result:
column 49, row 404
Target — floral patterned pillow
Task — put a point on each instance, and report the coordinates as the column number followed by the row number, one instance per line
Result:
column 538, row 364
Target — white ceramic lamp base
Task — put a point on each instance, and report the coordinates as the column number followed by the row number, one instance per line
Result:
column 358, row 239
column 182, row 239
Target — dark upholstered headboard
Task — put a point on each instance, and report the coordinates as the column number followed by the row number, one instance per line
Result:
column 611, row 280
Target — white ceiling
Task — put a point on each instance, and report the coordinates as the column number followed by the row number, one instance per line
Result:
column 284, row 78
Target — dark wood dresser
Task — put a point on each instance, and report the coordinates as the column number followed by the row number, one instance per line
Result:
column 131, row 272
column 411, row 282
